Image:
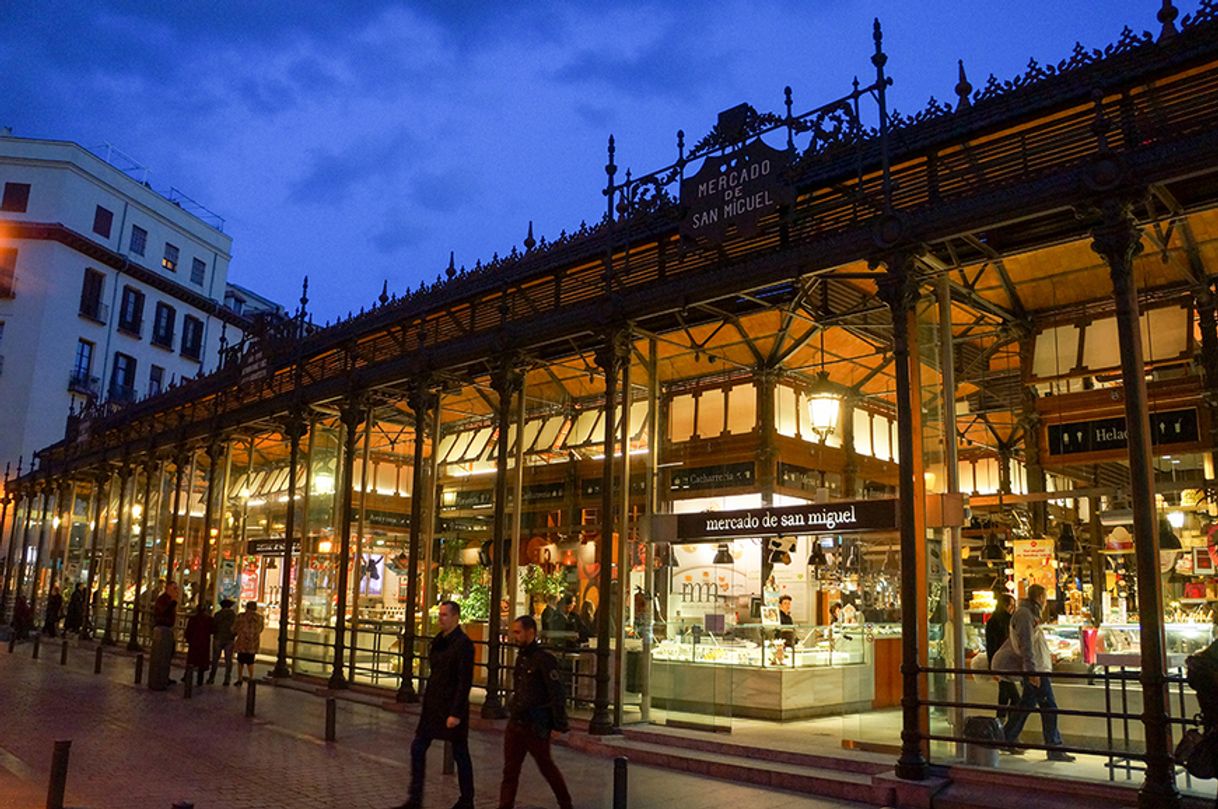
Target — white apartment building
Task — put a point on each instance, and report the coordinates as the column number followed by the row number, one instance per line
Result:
column 108, row 290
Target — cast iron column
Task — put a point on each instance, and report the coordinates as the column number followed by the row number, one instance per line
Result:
column 15, row 498
column 179, row 469
column 8, row 562
column 294, row 428
column 898, row 287
column 124, row 474
column 42, row 540
column 609, row 357
column 215, row 451
column 506, row 381
column 99, row 502
column 25, row 543
column 133, row 643
column 1117, row 239
column 420, row 403
column 351, row 414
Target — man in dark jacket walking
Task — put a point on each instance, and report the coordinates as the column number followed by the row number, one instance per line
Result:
column 997, row 629
column 536, row 711
column 445, row 713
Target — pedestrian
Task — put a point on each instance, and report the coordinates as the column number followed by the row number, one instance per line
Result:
column 997, row 630
column 23, row 618
column 164, row 618
column 198, row 643
column 76, row 610
column 1026, row 650
column 247, row 627
column 536, row 713
column 95, row 608
column 445, row 713
column 222, row 641
column 50, row 623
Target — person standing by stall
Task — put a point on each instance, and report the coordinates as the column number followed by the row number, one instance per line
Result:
column 997, row 630
column 164, row 616
column 50, row 624
column 445, row 713
column 536, row 712
column 248, row 630
column 223, row 638
column 76, row 610
column 198, row 642
column 1026, row 650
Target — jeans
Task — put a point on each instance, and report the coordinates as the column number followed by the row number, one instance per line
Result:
column 1008, row 696
column 1035, row 697
column 418, row 768
column 518, row 740
column 216, row 650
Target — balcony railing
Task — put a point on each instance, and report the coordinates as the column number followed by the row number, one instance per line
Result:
column 96, row 311
column 81, row 382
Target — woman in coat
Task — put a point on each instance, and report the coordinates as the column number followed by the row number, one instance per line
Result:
column 198, row 642
column 248, row 629
column 76, row 610
column 50, row 624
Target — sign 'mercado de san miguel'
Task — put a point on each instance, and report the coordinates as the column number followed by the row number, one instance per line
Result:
column 737, row 188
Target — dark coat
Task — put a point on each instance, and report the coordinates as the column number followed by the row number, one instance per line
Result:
column 198, row 640
column 50, row 624
column 539, row 698
column 76, row 611
column 996, row 631
column 451, row 658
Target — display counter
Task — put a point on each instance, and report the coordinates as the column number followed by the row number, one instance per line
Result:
column 766, row 672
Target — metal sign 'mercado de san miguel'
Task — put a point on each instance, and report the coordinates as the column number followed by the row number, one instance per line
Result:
column 737, row 188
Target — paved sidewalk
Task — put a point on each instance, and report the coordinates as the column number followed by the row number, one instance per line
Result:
column 134, row 748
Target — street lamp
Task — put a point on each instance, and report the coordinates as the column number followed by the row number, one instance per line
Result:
column 824, row 405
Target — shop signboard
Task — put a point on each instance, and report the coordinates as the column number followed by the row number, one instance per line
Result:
column 844, row 517
column 1109, row 435
column 736, row 188
column 591, row 487
column 270, row 546
column 720, row 476
column 389, row 519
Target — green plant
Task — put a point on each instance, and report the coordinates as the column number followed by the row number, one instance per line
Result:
column 476, row 604
column 450, row 580
column 537, row 582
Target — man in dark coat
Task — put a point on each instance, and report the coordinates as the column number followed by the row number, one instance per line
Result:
column 445, row 713
column 536, row 711
column 76, row 610
column 997, row 629
column 199, row 630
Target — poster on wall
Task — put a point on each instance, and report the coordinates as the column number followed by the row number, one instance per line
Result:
column 1034, row 565
column 228, row 579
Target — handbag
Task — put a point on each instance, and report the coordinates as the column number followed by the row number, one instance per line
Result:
column 1197, row 752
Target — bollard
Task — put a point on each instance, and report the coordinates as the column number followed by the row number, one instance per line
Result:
column 12, row 641
column 63, row 654
column 183, row 805
column 250, row 697
column 448, row 758
column 188, row 683
column 37, row 643
column 59, row 774
column 331, row 717
column 139, row 669
column 97, row 658
column 619, row 782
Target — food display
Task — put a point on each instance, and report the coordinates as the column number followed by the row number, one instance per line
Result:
column 983, row 601
column 760, row 646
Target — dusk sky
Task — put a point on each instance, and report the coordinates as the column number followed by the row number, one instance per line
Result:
column 359, row 140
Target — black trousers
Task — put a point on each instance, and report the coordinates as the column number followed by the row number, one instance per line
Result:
column 1008, row 696
column 418, row 767
column 519, row 740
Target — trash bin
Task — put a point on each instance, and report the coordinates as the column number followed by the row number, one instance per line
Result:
column 983, row 735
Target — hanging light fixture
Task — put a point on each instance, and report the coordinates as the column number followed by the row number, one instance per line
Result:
column 824, row 399
column 992, row 552
column 723, row 556
column 780, row 558
column 817, row 558
column 1168, row 541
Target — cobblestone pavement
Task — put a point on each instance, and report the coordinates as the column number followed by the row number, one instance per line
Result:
column 134, row 748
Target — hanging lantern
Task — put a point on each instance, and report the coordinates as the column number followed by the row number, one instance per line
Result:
column 817, row 558
column 723, row 556
column 1066, row 541
column 824, row 405
column 992, row 552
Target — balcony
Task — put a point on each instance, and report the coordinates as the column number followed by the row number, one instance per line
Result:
column 163, row 340
column 81, row 382
column 96, row 311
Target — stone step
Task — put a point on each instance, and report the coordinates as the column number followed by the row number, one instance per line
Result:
column 847, row 760
column 751, row 769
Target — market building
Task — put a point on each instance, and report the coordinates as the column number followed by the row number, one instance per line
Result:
column 884, row 365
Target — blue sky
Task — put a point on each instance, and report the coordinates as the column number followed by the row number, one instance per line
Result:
column 361, row 140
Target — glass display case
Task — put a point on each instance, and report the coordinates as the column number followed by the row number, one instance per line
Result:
column 1182, row 639
column 762, row 646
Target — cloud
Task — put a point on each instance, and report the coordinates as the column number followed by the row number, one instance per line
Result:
column 333, row 175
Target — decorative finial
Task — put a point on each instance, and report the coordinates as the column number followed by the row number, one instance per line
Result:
column 1167, row 16
column 451, row 270
column 384, row 298
column 963, row 88
column 529, row 241
column 879, row 59
column 611, row 169
column 304, row 294
column 223, row 337
column 681, row 143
